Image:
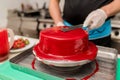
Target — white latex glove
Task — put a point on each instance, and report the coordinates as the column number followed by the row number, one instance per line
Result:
column 95, row 19
column 60, row 24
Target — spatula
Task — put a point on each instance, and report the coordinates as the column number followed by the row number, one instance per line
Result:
column 69, row 28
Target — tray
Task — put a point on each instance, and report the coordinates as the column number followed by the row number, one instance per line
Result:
column 106, row 59
column 11, row 71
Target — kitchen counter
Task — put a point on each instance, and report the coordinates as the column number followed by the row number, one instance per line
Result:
column 115, row 45
column 10, row 71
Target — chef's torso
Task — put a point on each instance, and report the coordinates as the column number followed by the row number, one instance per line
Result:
column 75, row 12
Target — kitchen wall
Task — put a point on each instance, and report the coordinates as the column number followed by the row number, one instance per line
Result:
column 15, row 4
column 4, row 6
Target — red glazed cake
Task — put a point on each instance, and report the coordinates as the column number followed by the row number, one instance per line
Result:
column 71, row 45
column 63, row 43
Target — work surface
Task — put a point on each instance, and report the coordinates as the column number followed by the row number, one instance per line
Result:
column 106, row 63
column 110, row 59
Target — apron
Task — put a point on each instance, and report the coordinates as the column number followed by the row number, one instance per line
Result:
column 101, row 32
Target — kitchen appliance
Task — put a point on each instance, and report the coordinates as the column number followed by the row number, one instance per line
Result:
column 115, row 34
column 30, row 22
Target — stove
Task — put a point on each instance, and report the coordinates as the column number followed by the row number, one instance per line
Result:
column 30, row 22
column 115, row 34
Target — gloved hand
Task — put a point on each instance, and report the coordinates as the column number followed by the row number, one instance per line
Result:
column 95, row 19
column 64, row 23
column 60, row 24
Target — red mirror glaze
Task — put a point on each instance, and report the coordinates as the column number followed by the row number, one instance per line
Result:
column 53, row 41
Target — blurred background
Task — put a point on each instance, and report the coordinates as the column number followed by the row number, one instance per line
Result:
column 26, row 17
column 6, row 5
column 29, row 17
